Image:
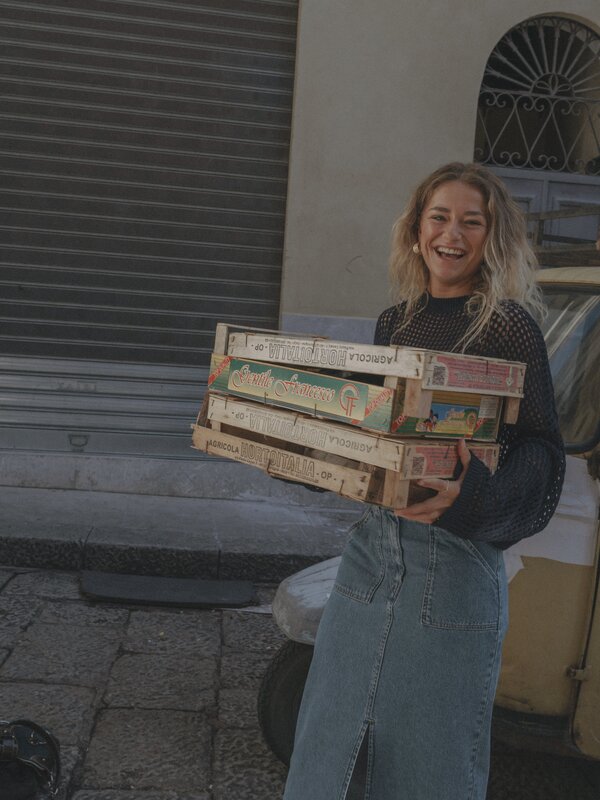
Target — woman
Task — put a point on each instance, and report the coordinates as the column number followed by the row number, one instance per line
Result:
column 399, row 699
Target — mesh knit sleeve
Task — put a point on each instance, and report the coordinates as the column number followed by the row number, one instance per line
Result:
column 520, row 498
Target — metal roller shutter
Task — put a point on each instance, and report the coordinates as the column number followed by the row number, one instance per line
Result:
column 143, row 151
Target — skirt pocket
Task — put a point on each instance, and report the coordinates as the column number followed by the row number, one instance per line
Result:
column 462, row 586
column 362, row 566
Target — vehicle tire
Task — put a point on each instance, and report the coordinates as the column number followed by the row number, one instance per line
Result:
column 279, row 697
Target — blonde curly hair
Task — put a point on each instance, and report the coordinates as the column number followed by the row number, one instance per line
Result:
column 509, row 265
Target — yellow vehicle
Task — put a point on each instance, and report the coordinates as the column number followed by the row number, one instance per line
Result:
column 549, row 689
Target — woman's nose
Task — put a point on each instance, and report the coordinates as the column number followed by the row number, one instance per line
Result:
column 453, row 229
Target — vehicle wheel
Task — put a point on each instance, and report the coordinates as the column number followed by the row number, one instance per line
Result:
column 279, row 697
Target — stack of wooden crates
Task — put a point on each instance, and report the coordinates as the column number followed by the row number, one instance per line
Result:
column 364, row 421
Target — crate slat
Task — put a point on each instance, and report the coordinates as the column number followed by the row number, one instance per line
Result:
column 411, row 458
column 383, row 409
column 434, row 370
column 346, row 481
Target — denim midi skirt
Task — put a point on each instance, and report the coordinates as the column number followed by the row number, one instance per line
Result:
column 398, row 701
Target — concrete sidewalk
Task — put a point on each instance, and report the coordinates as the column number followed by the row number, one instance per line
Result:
column 250, row 539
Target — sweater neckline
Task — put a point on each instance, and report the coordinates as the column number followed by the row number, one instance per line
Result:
column 445, row 305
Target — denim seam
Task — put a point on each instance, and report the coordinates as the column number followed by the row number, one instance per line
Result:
column 353, row 594
column 470, row 547
column 485, row 703
column 365, row 596
column 476, row 554
column 396, row 586
column 376, row 672
column 426, row 606
column 461, row 625
column 393, row 594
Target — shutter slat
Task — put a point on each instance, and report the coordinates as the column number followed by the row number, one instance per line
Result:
column 106, row 78
column 161, row 14
column 173, row 71
column 78, row 188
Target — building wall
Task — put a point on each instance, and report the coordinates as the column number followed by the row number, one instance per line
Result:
column 385, row 92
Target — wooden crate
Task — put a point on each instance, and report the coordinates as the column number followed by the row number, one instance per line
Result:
column 351, row 479
column 427, row 368
column 228, row 428
column 400, row 407
column 348, row 481
column 411, row 458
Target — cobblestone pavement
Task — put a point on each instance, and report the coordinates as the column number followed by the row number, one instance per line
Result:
column 157, row 704
column 147, row 703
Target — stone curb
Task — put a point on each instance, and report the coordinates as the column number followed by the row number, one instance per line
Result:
column 39, row 553
column 168, row 537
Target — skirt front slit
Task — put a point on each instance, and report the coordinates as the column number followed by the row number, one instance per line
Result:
column 405, row 668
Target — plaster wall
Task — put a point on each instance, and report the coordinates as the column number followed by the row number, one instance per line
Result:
column 385, row 92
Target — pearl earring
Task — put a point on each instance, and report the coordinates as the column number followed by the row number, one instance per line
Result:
column 416, row 248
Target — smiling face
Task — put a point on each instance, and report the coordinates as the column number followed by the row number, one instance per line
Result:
column 452, row 233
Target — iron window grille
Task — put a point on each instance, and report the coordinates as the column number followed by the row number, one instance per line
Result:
column 539, row 103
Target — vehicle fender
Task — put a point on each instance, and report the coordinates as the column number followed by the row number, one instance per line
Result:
column 300, row 599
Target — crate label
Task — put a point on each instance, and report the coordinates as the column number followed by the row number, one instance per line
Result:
column 310, row 392
column 449, row 420
column 263, row 456
column 348, row 481
column 431, row 460
column 427, row 460
column 479, row 375
column 326, row 354
column 454, row 416
column 217, row 366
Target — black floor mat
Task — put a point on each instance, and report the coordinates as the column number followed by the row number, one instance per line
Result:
column 150, row 590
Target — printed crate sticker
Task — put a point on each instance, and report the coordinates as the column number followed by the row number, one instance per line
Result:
column 455, row 416
column 483, row 375
column 314, row 393
column 440, row 460
column 365, row 405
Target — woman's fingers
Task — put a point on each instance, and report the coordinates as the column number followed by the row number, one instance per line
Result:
column 440, row 485
column 420, row 515
column 447, row 491
column 432, row 508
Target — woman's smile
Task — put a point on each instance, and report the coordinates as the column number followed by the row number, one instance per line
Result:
column 449, row 252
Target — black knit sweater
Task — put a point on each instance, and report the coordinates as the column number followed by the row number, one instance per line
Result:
column 519, row 499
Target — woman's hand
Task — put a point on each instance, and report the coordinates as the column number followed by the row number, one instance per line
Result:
column 447, row 491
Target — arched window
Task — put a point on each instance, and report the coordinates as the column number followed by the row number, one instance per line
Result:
column 539, row 104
